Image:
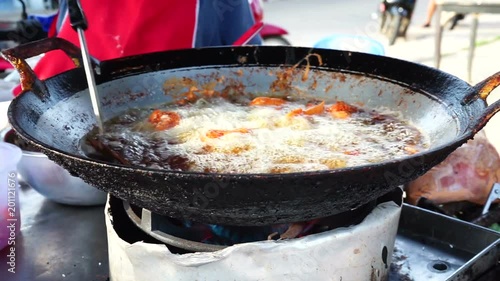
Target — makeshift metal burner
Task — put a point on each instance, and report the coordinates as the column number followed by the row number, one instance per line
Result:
column 355, row 245
column 201, row 237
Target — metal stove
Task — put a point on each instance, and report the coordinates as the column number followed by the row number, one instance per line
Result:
column 383, row 240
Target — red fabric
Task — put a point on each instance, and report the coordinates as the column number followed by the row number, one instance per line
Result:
column 4, row 64
column 118, row 28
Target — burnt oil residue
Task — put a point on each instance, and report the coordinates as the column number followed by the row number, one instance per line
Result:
column 124, row 98
column 376, row 273
column 395, row 274
column 397, row 265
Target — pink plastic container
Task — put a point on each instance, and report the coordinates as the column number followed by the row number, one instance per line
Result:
column 10, row 219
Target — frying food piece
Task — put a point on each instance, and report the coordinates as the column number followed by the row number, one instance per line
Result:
column 213, row 134
column 333, row 163
column 164, row 120
column 264, row 101
column 351, row 152
column 315, row 109
column 276, row 136
column 342, row 110
column 342, row 106
column 310, row 110
column 340, row 114
column 411, row 150
column 295, row 112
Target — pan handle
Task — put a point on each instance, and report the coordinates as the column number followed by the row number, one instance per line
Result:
column 29, row 81
column 482, row 90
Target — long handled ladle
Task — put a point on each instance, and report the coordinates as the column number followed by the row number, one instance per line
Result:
column 79, row 24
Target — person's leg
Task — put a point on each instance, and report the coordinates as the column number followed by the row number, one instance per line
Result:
column 431, row 9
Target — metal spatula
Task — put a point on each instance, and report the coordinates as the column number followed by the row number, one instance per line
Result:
column 79, row 24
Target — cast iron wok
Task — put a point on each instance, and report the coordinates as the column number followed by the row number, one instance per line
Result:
column 56, row 114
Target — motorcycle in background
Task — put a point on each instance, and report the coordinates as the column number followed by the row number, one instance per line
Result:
column 395, row 17
column 271, row 34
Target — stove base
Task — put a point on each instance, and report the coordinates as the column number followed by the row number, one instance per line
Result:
column 360, row 252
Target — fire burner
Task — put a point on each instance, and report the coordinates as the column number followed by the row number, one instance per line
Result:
column 355, row 245
column 200, row 237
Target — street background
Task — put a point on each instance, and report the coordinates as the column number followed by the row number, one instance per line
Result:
column 308, row 21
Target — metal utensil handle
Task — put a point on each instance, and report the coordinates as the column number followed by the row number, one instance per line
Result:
column 94, row 96
column 482, row 91
column 79, row 23
column 76, row 16
column 29, row 81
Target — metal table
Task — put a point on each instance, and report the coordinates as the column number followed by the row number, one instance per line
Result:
column 474, row 7
column 57, row 242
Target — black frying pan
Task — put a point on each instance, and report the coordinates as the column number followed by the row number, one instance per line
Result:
column 55, row 114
